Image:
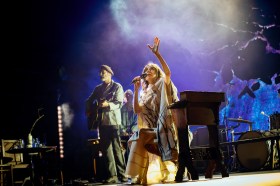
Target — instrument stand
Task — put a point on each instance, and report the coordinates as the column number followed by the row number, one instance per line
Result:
column 234, row 162
column 225, row 121
column 233, row 158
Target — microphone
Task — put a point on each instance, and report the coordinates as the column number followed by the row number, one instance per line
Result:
column 142, row 76
column 262, row 112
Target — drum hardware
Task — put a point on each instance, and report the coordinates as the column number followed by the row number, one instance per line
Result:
column 232, row 162
column 260, row 152
column 240, row 120
column 239, row 133
column 225, row 130
column 255, row 151
column 233, row 127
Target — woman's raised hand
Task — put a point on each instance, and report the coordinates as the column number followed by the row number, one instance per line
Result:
column 154, row 48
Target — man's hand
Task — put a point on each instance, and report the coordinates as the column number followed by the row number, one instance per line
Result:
column 103, row 104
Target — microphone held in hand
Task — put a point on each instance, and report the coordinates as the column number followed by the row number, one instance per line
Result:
column 142, row 76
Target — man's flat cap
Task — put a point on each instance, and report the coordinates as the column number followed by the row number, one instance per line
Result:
column 107, row 68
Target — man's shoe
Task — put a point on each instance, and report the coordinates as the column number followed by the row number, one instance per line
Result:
column 113, row 179
column 133, row 181
column 124, row 179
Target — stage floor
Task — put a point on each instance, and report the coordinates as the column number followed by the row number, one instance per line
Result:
column 260, row 178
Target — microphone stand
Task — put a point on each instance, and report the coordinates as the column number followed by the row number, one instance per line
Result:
column 30, row 138
column 263, row 113
column 226, row 126
column 35, row 123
